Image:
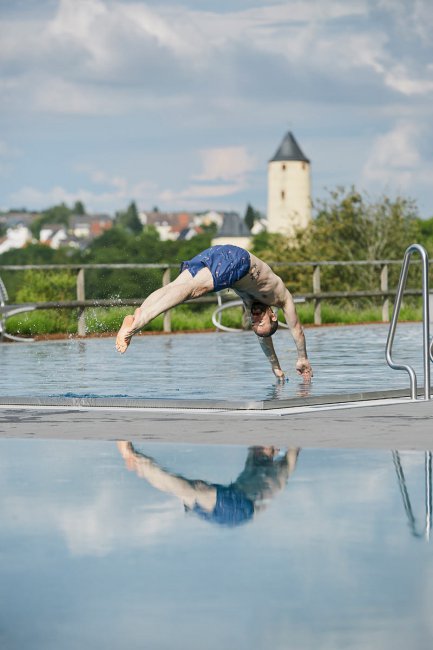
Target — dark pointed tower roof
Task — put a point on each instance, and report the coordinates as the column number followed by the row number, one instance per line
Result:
column 233, row 226
column 289, row 149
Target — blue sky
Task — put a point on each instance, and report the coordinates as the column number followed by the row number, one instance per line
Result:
column 181, row 104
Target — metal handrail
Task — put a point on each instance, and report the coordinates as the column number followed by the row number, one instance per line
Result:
column 3, row 298
column 413, row 525
column 216, row 315
column 427, row 349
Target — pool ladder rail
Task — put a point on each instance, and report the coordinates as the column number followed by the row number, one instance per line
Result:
column 222, row 306
column 427, row 344
column 412, row 521
column 6, row 311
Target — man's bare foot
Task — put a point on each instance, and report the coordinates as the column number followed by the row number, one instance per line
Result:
column 125, row 447
column 127, row 451
column 123, row 338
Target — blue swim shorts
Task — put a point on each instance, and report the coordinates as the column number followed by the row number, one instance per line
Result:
column 232, row 507
column 227, row 263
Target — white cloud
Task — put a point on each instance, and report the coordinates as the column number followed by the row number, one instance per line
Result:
column 411, row 19
column 224, row 173
column 119, row 192
column 401, row 79
column 99, row 28
column 337, row 67
column 98, row 525
column 225, row 163
column 97, row 528
column 59, row 96
column 201, row 192
column 96, row 55
column 395, row 159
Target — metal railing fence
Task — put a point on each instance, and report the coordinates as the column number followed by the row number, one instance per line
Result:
column 381, row 291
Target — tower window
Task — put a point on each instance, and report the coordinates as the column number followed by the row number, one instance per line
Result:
column 283, row 167
column 283, row 194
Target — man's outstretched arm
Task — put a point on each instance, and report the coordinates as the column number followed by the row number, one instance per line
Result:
column 268, row 348
column 303, row 366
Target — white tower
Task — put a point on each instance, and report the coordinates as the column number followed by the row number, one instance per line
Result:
column 289, row 189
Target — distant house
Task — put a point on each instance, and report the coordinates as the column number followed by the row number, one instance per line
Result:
column 208, row 218
column 80, row 231
column 89, row 226
column 233, row 231
column 180, row 225
column 53, row 235
column 16, row 237
column 188, row 233
column 18, row 218
column 168, row 224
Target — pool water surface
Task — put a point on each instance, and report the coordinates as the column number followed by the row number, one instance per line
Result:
column 227, row 366
column 101, row 547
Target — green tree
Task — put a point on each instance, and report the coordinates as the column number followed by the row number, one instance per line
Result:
column 79, row 208
column 250, row 216
column 50, row 286
column 426, row 234
column 110, row 247
column 32, row 254
column 347, row 226
column 129, row 219
column 58, row 214
column 47, row 286
column 39, row 254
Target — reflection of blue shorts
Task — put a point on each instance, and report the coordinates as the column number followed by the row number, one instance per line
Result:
column 227, row 263
column 232, row 507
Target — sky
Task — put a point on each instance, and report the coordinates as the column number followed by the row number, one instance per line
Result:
column 181, row 104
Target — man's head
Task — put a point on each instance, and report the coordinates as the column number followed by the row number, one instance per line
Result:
column 264, row 321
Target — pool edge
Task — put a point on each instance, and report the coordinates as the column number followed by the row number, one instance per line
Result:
column 204, row 404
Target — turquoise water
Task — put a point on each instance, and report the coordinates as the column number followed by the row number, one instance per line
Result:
column 208, row 366
column 92, row 555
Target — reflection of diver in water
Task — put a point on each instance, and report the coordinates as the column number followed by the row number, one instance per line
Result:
column 285, row 390
column 265, row 473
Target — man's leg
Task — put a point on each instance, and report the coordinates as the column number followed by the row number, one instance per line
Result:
column 182, row 288
column 190, row 492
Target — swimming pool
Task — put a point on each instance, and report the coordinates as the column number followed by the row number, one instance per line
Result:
column 93, row 555
column 226, row 366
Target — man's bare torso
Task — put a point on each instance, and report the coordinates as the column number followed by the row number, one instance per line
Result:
column 260, row 284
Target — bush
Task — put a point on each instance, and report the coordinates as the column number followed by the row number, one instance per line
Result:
column 48, row 321
column 47, row 286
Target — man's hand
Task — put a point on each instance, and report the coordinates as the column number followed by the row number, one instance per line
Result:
column 303, row 368
column 279, row 374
